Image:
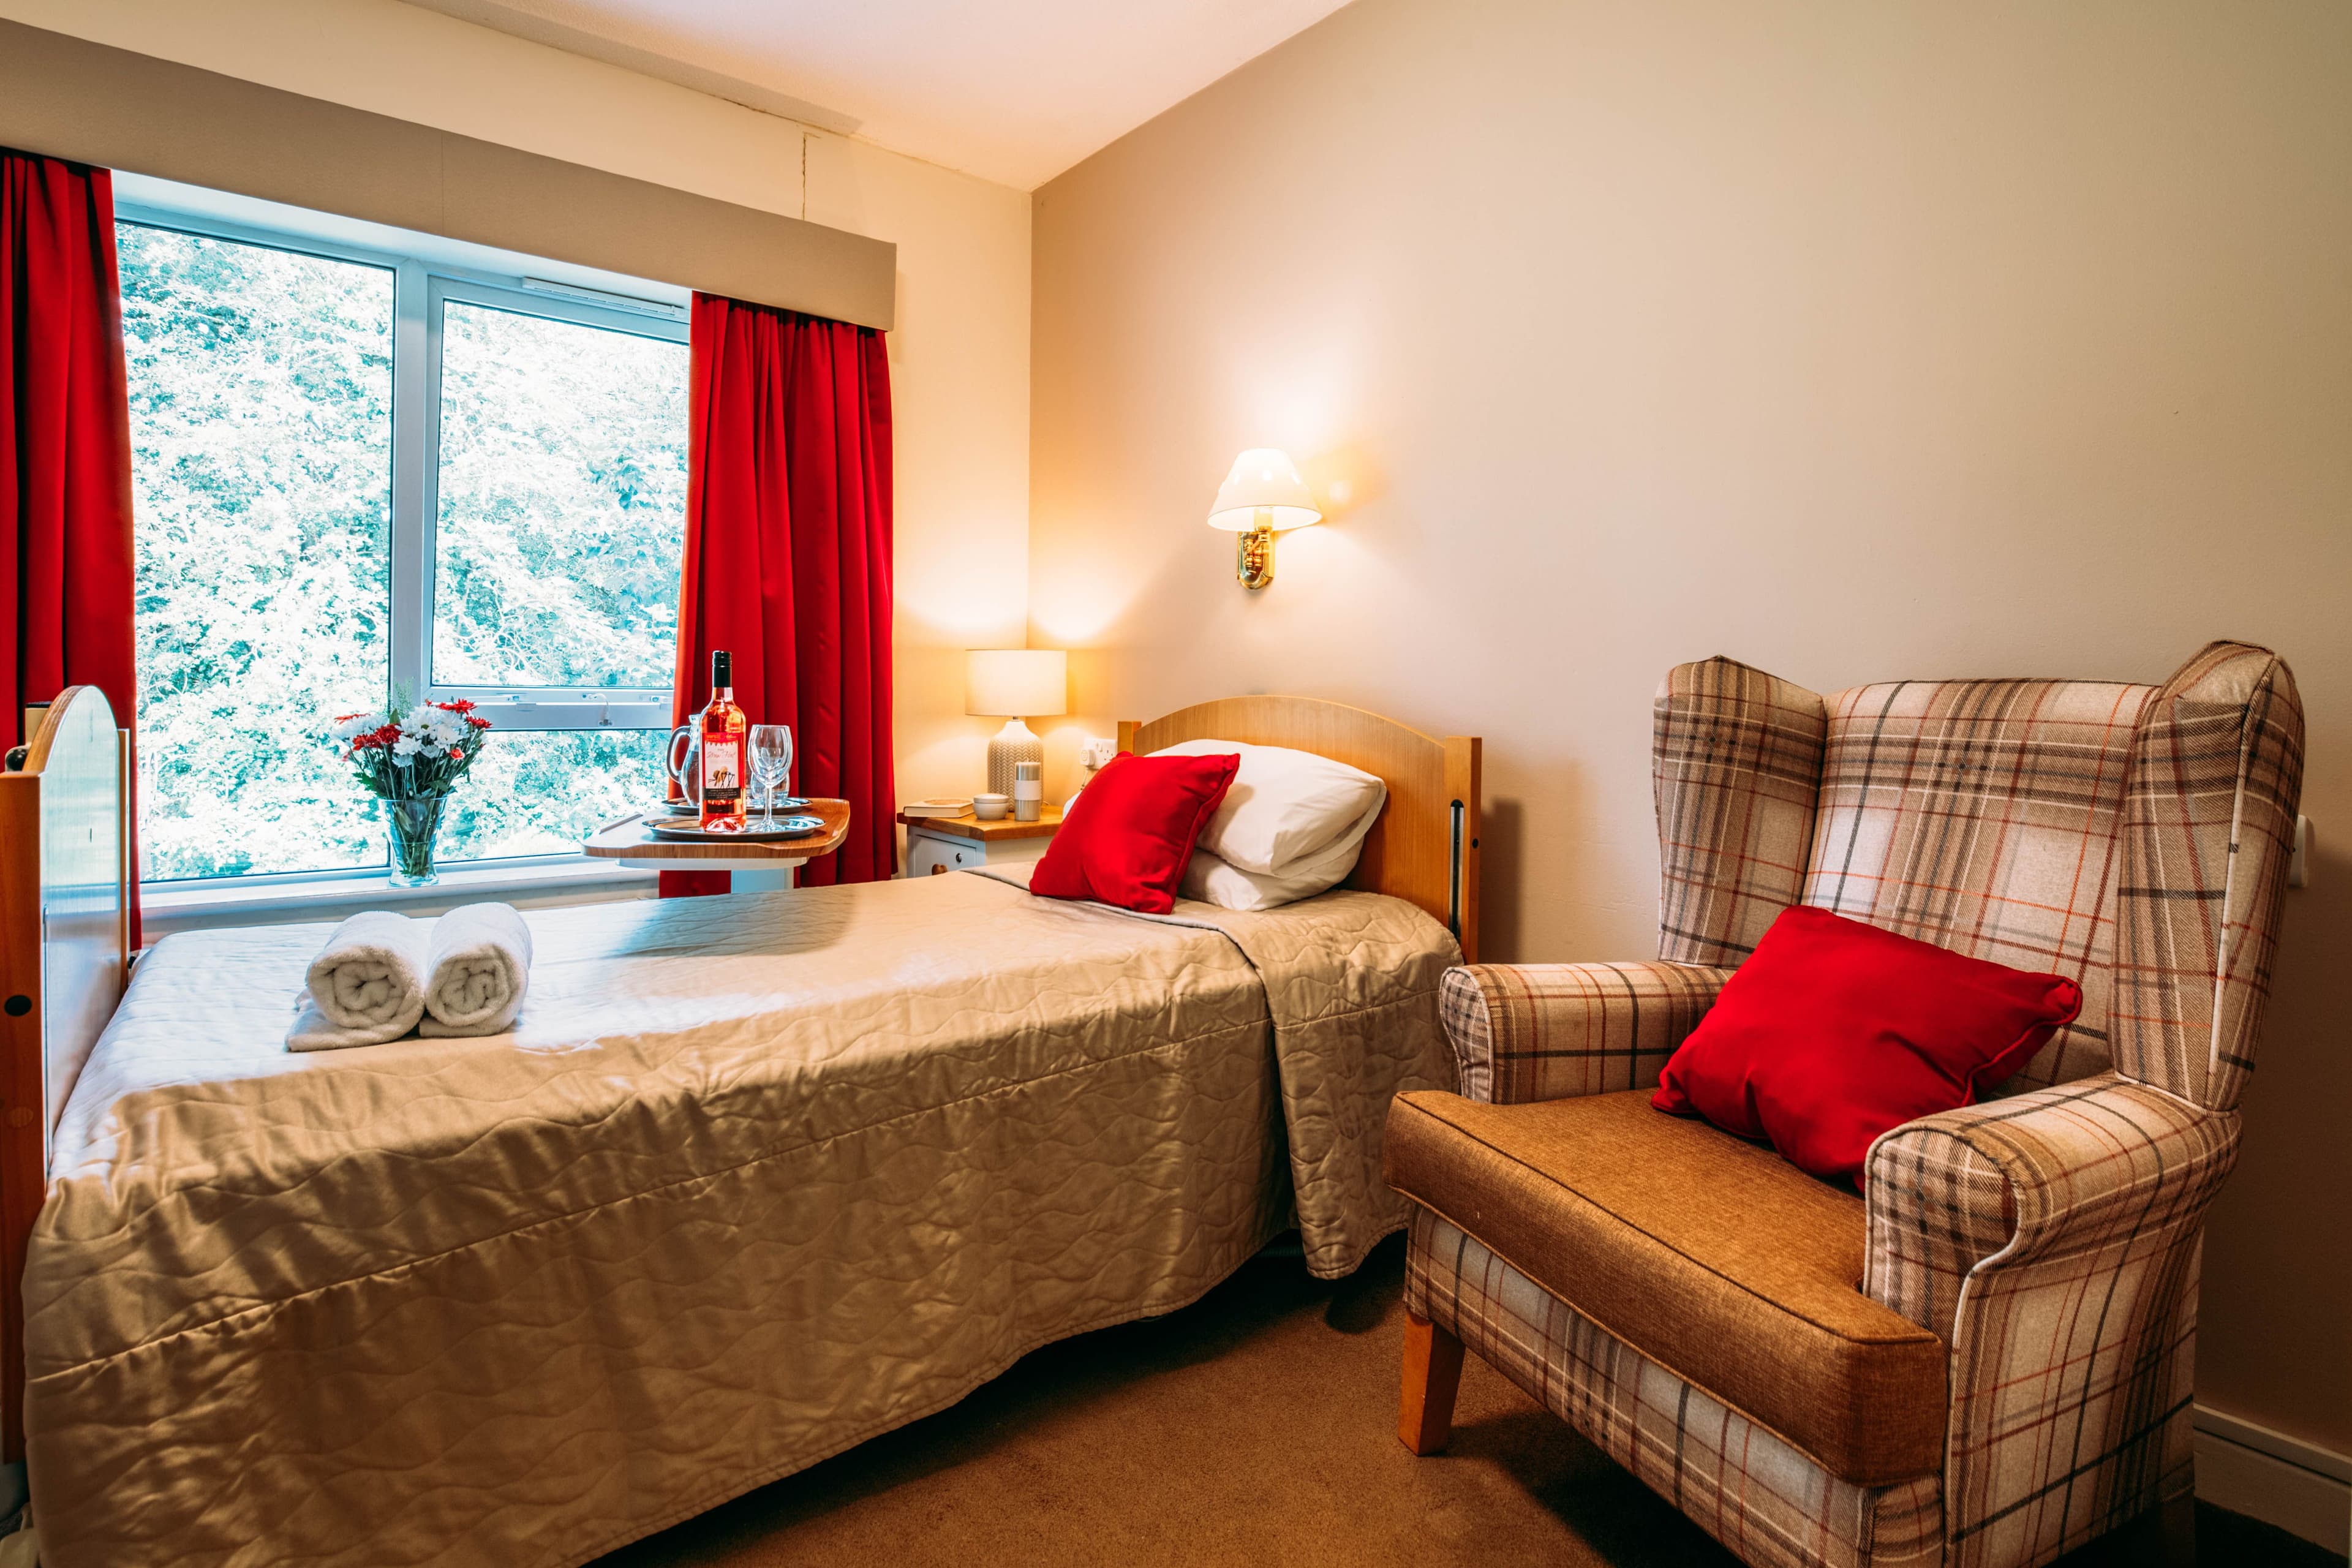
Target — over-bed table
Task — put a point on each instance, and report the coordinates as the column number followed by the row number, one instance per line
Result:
column 756, row 1178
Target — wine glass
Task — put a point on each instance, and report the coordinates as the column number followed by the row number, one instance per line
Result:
column 772, row 762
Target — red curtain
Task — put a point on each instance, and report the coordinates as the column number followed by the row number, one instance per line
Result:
column 788, row 559
column 65, row 448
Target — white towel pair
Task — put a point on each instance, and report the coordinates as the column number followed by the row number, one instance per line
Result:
column 382, row 974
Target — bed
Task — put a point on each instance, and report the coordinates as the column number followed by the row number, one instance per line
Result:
column 756, row 1178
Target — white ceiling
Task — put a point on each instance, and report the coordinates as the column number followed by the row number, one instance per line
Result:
column 1012, row 90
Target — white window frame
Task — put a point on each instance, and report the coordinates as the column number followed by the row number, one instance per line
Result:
column 507, row 707
column 421, row 287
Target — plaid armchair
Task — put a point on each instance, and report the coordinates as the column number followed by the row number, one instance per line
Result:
column 2012, row 1375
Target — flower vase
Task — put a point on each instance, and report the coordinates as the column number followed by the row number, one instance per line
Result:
column 412, row 824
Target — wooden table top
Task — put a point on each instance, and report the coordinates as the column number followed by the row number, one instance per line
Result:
column 633, row 840
column 1003, row 828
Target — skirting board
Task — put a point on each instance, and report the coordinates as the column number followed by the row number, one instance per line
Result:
column 2300, row 1487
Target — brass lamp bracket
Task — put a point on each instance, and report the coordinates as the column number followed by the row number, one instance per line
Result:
column 1253, row 552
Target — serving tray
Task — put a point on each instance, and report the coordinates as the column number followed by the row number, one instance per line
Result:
column 755, row 830
column 665, row 808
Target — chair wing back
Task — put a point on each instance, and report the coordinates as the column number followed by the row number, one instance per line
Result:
column 1736, row 764
column 1986, row 816
column 2132, row 838
column 2208, row 824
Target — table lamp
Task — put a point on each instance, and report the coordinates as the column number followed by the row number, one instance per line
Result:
column 1262, row 497
column 1013, row 684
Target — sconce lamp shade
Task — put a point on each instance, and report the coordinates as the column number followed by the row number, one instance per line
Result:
column 1016, row 682
column 1263, row 480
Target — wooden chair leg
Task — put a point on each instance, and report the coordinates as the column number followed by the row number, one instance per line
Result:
column 2178, row 1520
column 1433, row 1376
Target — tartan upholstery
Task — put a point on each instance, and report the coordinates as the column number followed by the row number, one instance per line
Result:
column 1983, row 816
column 1710, row 1255
column 2208, row 828
column 1546, row 1031
column 1743, row 1485
column 1737, row 758
column 2134, row 838
column 2052, row 1238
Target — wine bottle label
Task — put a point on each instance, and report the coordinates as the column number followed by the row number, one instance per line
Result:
column 723, row 769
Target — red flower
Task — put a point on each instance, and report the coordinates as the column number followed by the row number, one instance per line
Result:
column 476, row 723
column 462, row 705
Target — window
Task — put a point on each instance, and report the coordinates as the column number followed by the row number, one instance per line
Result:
column 362, row 476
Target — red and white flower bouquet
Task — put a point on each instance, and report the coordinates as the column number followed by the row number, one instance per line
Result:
column 411, row 759
column 409, row 753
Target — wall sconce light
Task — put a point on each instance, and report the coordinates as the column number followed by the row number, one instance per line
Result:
column 1262, row 497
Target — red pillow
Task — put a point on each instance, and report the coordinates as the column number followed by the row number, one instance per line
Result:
column 1833, row 1032
column 1129, row 836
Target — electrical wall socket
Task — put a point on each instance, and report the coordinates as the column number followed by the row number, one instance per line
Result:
column 2298, row 864
column 1096, row 752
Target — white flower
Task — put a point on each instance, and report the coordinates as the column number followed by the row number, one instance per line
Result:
column 358, row 724
column 405, row 747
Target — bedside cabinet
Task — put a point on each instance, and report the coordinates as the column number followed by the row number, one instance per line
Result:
column 940, row 844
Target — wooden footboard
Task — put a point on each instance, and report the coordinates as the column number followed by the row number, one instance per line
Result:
column 63, row 961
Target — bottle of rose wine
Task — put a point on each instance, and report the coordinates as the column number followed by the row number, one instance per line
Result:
column 723, row 727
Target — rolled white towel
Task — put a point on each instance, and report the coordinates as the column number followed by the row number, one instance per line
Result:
column 367, row 987
column 477, row 966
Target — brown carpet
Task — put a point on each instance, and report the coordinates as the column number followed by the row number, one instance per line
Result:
column 1257, row 1426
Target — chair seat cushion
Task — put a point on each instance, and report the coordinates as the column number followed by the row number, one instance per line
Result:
column 1715, row 1257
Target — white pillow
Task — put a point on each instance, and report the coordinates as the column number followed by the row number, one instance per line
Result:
column 1212, row 881
column 1286, row 809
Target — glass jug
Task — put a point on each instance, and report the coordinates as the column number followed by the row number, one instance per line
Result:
column 686, row 770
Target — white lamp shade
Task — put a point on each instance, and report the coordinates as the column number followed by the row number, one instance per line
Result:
column 1016, row 682
column 1263, row 479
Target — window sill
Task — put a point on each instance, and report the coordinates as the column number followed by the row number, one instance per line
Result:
column 166, row 908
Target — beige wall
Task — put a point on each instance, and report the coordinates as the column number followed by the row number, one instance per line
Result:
column 1853, row 340
column 959, row 357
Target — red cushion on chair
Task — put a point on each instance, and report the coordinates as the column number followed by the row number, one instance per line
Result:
column 1129, row 834
column 1834, row 1032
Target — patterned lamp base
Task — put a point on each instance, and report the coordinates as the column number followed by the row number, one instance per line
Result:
column 1014, row 743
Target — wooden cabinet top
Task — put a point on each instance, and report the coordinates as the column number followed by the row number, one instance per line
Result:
column 980, row 832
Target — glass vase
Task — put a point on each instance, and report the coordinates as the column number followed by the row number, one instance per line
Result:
column 412, row 824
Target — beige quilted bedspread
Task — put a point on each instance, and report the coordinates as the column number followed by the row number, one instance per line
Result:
column 755, row 1179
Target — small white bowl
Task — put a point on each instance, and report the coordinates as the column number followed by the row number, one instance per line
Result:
column 992, row 808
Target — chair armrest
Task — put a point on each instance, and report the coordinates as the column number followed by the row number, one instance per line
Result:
column 2052, row 1241
column 2068, row 1175
column 1551, row 1031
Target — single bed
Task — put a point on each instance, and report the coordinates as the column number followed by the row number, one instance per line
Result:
column 756, row 1178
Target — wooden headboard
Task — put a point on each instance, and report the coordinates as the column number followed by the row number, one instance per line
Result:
column 63, row 958
column 1425, row 847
